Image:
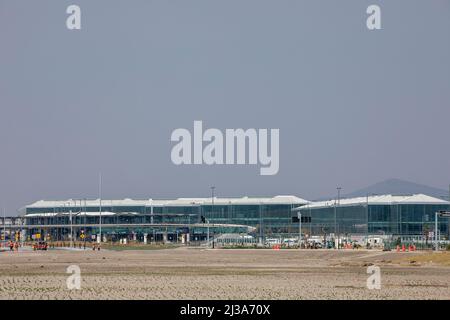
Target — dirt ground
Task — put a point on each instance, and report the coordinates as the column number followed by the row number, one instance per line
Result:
column 193, row 273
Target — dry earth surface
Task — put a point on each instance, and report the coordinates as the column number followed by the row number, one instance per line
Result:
column 194, row 273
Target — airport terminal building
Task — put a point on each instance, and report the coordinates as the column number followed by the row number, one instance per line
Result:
column 262, row 218
column 404, row 216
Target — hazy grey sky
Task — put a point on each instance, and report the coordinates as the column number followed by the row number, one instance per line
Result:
column 353, row 106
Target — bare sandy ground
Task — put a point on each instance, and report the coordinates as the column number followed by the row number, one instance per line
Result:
column 192, row 273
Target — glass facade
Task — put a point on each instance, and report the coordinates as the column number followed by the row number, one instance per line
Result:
column 267, row 219
column 373, row 219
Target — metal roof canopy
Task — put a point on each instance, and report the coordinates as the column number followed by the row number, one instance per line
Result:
column 386, row 199
column 103, row 214
column 281, row 199
column 137, row 225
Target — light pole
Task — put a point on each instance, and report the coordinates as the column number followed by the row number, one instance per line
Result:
column 100, row 206
column 4, row 225
column 436, row 231
column 212, row 211
column 71, row 229
column 64, row 213
column 212, row 198
column 335, row 229
column 367, row 215
column 299, row 230
column 207, row 232
column 338, row 203
column 85, row 229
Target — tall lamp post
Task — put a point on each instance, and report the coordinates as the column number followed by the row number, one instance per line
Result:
column 100, row 205
column 71, row 228
column 212, row 197
column 213, row 188
column 335, row 215
column 85, row 229
column 207, row 232
column 4, row 225
column 339, row 194
column 299, row 230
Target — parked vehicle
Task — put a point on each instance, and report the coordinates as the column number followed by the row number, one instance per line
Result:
column 290, row 242
column 272, row 241
column 41, row 245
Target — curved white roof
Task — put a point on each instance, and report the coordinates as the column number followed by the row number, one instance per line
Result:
column 74, row 214
column 386, row 199
column 175, row 202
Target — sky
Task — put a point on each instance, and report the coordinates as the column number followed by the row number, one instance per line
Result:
column 353, row 106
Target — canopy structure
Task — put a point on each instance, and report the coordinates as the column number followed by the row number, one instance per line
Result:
column 387, row 199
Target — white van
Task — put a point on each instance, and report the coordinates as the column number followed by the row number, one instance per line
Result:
column 272, row 241
column 290, row 241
